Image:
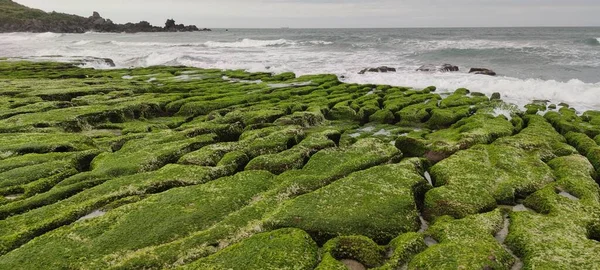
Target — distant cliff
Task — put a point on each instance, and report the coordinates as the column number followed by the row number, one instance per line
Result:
column 15, row 17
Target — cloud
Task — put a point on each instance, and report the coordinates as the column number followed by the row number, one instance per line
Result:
column 340, row 13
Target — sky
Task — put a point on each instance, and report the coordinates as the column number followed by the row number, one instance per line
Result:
column 337, row 13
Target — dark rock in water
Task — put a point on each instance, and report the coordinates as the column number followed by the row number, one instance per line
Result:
column 482, row 71
column 382, row 69
column 562, row 104
column 448, row 68
column 95, row 60
column 109, row 62
column 427, row 68
column 442, row 68
column 496, row 96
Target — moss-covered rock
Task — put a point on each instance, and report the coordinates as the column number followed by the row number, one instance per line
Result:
column 358, row 248
column 281, row 249
column 384, row 208
column 465, row 244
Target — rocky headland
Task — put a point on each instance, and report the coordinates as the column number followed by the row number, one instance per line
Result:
column 15, row 17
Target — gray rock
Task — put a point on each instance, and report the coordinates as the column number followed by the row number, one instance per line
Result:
column 482, row 71
column 382, row 69
column 442, row 68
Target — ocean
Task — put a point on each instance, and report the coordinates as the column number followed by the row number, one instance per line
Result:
column 556, row 64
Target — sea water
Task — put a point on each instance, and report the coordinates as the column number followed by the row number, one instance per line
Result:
column 556, row 64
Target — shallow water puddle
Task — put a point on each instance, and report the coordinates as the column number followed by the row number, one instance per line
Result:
column 383, row 132
column 355, row 135
column 353, row 265
column 521, row 208
column 501, row 238
column 424, row 224
column 367, row 129
column 501, row 235
column 296, row 84
column 13, row 197
column 568, row 195
column 187, row 77
column 429, row 241
column 95, row 214
column 428, row 178
column 116, row 132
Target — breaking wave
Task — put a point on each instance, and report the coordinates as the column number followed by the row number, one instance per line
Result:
column 592, row 41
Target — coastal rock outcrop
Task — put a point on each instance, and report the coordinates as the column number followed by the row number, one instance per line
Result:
column 442, row 68
column 382, row 69
column 25, row 19
column 482, row 71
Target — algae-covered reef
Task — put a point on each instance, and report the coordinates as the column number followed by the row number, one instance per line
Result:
column 178, row 167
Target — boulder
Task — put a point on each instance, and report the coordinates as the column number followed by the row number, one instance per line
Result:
column 382, row 69
column 448, row 68
column 442, row 68
column 427, row 68
column 482, row 71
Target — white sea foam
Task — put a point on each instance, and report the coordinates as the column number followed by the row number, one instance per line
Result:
column 248, row 43
column 518, row 91
column 314, row 55
column 49, row 35
column 503, row 111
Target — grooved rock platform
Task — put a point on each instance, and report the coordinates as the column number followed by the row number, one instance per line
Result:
column 179, row 167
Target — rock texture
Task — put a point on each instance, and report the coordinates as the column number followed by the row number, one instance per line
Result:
column 442, row 68
column 482, row 71
column 382, row 69
column 224, row 169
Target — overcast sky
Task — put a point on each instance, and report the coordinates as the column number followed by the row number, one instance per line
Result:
column 337, row 13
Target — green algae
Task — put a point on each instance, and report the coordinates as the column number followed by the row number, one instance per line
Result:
column 282, row 249
column 465, row 244
column 384, row 208
column 230, row 169
column 173, row 213
column 558, row 237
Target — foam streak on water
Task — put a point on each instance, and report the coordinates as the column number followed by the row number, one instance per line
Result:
column 557, row 64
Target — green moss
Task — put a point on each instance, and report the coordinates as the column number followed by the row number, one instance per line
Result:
column 340, row 112
column 461, row 98
column 403, row 248
column 358, row 248
column 441, row 118
column 387, row 193
column 293, row 158
column 165, row 217
column 465, row 244
column 382, row 117
column 148, row 153
column 462, row 189
column 281, row 249
column 81, row 140
column 18, row 143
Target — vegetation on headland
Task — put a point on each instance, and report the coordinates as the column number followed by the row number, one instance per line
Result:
column 15, row 17
column 179, row 167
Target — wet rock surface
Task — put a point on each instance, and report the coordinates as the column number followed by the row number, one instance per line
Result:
column 166, row 167
column 482, row 71
column 441, row 68
column 382, row 69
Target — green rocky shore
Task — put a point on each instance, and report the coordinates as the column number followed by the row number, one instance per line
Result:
column 178, row 167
